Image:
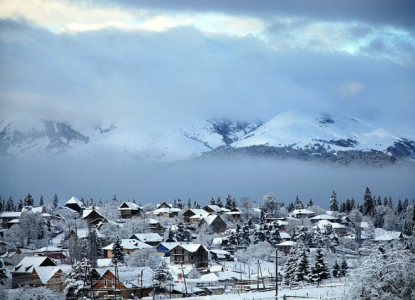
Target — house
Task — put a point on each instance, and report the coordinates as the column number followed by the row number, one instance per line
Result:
column 188, row 253
column 213, row 209
column 164, row 205
column 165, row 247
column 220, row 255
column 155, row 226
column 129, row 245
column 214, row 223
column 193, row 212
column 129, row 210
column 286, row 246
column 38, row 271
column 75, row 204
column 302, row 213
column 9, row 218
column 152, row 239
column 235, row 214
column 107, row 285
column 92, row 217
column 324, row 217
column 165, row 212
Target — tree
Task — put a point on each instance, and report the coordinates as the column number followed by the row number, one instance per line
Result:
column 334, row 206
column 33, row 229
column 94, row 249
column 76, row 280
column 212, row 201
column 219, row 202
column 41, row 202
column 384, row 274
column 319, row 270
column 369, row 207
column 147, row 257
column 117, row 252
column 162, row 279
column 29, row 293
column 55, row 201
column 344, row 267
column 10, row 205
column 19, row 205
column 28, row 200
column 298, row 204
column 270, row 204
column 336, row 271
column 301, row 270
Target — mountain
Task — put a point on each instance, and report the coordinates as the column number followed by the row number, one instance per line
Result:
column 341, row 137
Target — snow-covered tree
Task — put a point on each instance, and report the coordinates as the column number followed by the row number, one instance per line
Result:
column 298, row 204
column 336, row 270
column 41, row 201
column 344, row 267
column 94, row 248
column 28, row 200
column 19, row 205
column 369, row 207
column 55, row 202
column 76, row 280
column 262, row 251
column 117, row 252
column 334, row 206
column 162, row 279
column 33, row 229
column 10, row 205
column 384, row 275
column 29, row 293
column 143, row 258
column 319, row 270
column 194, row 273
column 270, row 204
column 219, row 202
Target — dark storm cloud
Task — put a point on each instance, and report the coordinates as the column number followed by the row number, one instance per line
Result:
column 390, row 12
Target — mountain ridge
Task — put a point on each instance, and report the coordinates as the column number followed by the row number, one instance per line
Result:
column 341, row 137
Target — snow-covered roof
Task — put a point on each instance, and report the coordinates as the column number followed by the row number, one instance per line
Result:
column 169, row 245
column 88, row 211
column 130, row 205
column 29, row 262
column 74, row 200
column 284, row 235
column 323, row 217
column 200, row 216
column 219, row 251
column 83, row 233
column 46, row 273
column 198, row 211
column 148, row 237
column 217, row 241
column 215, row 208
column 152, row 221
column 302, row 211
column 48, row 249
column 321, row 224
column 287, row 243
column 130, row 244
column 11, row 214
column 210, row 218
column 38, row 209
column 190, row 247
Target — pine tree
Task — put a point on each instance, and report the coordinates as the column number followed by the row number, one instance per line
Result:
column 41, row 202
column 1, row 205
column 228, row 202
column 174, row 203
column 19, row 205
column 369, row 208
column 405, row 204
column 189, row 204
column 76, row 280
column 319, row 269
column 117, row 252
column 262, row 217
column 399, row 207
column 10, row 205
column 334, row 206
column 162, row 278
column 344, row 267
column 219, row 202
column 310, row 203
column 55, row 202
column 94, row 250
column 302, row 266
column 298, row 204
column 290, row 267
column 179, row 203
column 336, row 269
column 212, row 201
column 28, row 200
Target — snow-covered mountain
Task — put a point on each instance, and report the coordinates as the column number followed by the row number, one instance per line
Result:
column 337, row 136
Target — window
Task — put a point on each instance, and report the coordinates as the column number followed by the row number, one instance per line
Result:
column 105, row 282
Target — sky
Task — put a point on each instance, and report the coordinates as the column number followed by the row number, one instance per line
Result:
column 148, row 65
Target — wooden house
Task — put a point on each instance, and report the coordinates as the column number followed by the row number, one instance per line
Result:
column 129, row 210
column 235, row 214
column 193, row 212
column 75, row 204
column 214, row 223
column 152, row 239
column 92, row 217
column 129, row 245
column 188, row 253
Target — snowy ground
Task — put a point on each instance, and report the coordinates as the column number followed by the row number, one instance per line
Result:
column 332, row 292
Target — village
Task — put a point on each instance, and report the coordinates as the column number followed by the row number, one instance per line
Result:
column 123, row 250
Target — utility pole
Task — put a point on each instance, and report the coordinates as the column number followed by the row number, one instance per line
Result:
column 276, row 273
column 184, row 280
